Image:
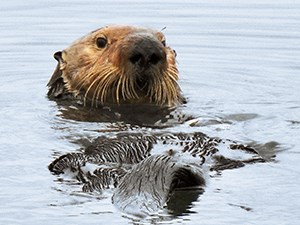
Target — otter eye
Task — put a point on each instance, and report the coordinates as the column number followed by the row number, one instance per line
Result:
column 101, row 42
column 163, row 42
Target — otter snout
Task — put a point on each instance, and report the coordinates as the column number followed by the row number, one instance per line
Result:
column 147, row 52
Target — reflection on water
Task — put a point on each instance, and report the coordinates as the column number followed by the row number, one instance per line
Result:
column 139, row 115
column 239, row 69
column 181, row 202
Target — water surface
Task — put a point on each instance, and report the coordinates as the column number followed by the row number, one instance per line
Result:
column 239, row 69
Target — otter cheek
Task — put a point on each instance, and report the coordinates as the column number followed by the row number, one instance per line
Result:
column 171, row 57
column 114, row 57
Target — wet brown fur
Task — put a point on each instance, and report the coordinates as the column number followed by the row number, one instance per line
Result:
column 105, row 75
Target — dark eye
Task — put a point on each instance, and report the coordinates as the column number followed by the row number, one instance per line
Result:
column 101, row 42
column 163, row 42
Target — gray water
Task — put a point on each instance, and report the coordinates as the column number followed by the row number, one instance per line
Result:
column 239, row 68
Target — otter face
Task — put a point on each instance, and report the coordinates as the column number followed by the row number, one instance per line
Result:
column 117, row 65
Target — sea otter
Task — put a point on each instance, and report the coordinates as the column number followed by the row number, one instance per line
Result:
column 122, row 65
column 118, row 65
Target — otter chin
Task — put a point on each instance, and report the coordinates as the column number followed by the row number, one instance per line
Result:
column 117, row 65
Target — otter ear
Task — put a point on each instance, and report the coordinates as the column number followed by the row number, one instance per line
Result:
column 59, row 57
column 56, row 82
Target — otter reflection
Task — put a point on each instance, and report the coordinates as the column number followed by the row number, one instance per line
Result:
column 146, row 169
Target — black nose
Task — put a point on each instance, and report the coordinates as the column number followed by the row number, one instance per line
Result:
column 147, row 52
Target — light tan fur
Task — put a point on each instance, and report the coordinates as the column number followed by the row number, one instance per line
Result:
column 106, row 76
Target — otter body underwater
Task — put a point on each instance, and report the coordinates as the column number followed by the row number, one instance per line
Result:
column 126, row 65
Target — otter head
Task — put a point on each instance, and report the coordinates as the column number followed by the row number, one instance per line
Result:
column 116, row 65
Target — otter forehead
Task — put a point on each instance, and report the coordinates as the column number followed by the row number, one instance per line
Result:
column 123, row 31
column 114, row 33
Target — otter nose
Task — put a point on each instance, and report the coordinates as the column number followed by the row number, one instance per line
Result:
column 146, row 53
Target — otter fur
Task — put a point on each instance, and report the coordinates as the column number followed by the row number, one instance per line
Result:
column 118, row 65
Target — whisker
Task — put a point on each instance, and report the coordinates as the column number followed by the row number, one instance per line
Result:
column 98, row 87
column 105, row 79
column 87, row 91
column 109, row 83
column 119, row 82
column 83, row 78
